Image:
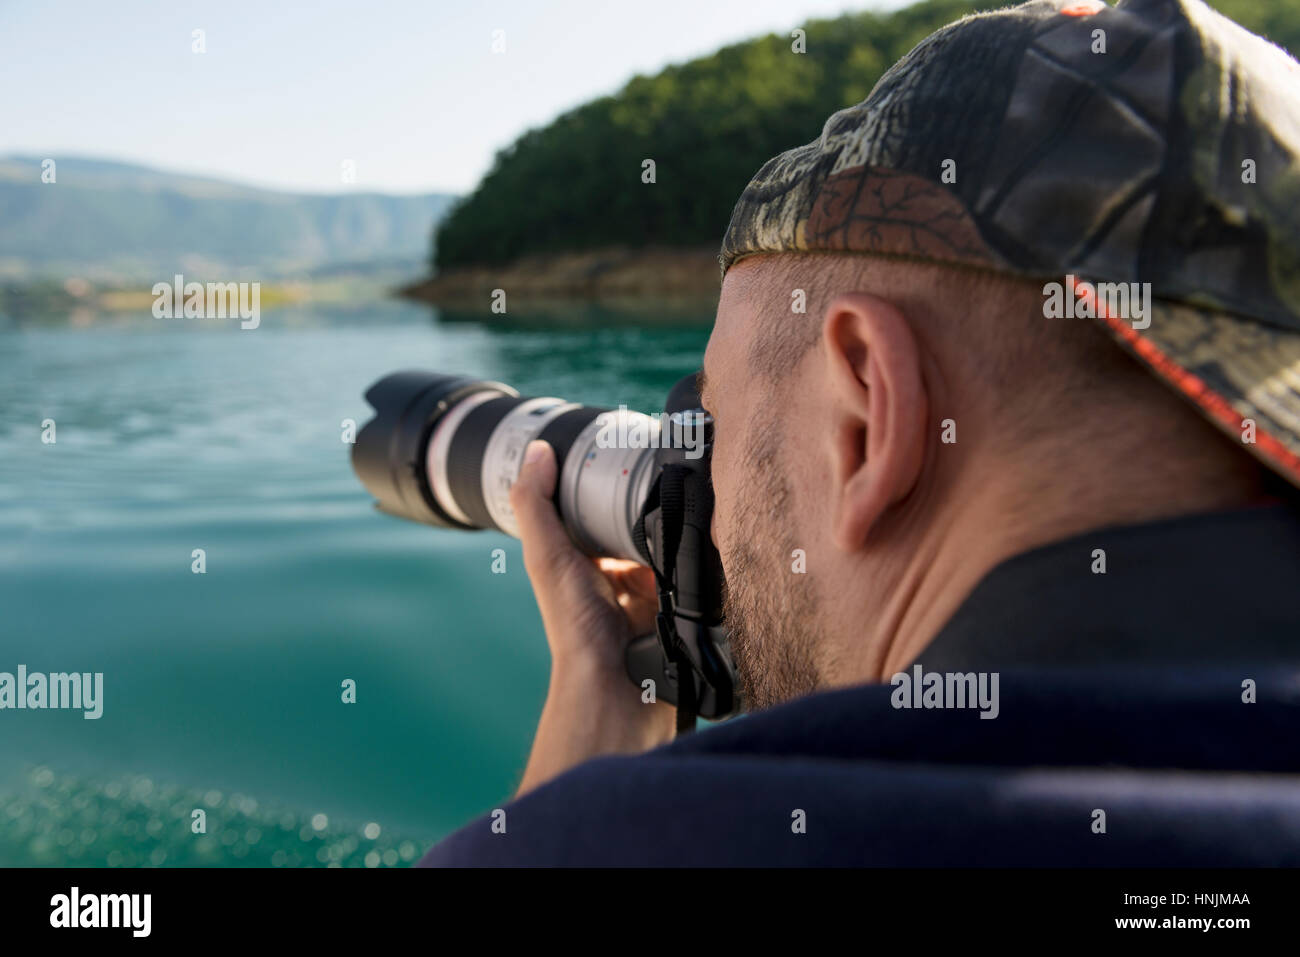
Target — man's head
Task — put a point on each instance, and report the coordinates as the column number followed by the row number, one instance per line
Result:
column 929, row 413
column 879, row 452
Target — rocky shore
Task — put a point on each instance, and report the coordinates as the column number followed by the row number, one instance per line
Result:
column 685, row 275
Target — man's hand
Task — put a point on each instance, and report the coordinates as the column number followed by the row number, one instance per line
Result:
column 591, row 609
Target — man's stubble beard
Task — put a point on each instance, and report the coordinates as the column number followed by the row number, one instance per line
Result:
column 770, row 610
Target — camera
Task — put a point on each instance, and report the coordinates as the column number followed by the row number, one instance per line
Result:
column 444, row 450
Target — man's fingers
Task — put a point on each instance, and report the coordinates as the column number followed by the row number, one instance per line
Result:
column 546, row 543
column 634, row 587
column 632, row 577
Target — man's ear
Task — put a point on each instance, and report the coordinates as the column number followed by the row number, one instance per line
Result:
column 879, row 409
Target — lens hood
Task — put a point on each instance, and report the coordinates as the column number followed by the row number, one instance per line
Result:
column 389, row 453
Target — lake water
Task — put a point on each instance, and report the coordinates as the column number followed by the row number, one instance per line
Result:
column 222, row 690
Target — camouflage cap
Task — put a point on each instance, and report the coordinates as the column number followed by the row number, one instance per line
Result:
column 1154, row 143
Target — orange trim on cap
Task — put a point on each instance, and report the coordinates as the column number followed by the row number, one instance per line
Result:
column 1192, row 386
column 1085, row 8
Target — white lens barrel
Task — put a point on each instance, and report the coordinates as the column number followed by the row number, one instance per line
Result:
column 438, row 456
column 504, row 455
column 476, row 450
column 607, row 475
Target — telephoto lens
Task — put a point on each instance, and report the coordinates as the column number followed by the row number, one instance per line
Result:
column 445, row 450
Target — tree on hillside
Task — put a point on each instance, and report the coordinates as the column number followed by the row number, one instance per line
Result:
column 708, row 125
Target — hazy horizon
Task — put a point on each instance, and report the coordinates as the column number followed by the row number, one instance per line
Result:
column 217, row 178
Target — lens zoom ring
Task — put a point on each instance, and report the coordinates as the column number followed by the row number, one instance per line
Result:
column 465, row 457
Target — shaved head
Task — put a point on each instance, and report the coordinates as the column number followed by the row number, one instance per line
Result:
column 990, row 340
column 988, row 325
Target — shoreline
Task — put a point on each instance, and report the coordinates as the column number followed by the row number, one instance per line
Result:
column 614, row 276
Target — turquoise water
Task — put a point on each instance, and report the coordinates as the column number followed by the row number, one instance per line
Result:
column 222, row 690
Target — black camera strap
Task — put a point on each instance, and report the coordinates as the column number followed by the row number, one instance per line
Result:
column 668, row 494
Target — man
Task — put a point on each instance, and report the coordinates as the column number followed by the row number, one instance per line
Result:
column 1000, row 590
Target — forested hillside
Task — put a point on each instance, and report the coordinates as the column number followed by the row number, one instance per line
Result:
column 708, row 125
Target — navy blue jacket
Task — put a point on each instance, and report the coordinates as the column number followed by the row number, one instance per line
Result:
column 1146, row 716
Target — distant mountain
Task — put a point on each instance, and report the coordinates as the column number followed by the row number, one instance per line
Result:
column 116, row 222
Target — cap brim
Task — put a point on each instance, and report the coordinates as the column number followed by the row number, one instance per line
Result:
column 1232, row 369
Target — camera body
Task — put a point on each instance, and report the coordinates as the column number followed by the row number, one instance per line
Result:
column 444, row 450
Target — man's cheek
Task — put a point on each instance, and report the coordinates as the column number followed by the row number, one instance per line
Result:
column 720, row 496
column 719, row 512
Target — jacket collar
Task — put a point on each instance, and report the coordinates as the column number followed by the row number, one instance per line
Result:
column 1202, row 589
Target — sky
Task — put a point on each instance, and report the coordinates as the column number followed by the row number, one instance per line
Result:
column 284, row 94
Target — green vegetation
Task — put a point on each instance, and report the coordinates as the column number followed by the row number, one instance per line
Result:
column 708, row 125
